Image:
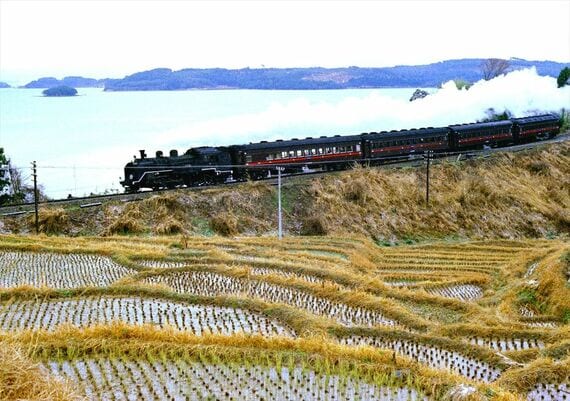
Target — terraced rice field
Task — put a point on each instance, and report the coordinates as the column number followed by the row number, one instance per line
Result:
column 178, row 379
column 298, row 319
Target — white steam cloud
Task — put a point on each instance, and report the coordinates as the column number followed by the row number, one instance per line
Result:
column 521, row 92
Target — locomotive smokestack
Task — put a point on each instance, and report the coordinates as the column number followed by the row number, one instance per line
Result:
column 143, row 154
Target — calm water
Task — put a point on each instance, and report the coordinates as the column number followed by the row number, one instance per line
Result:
column 82, row 143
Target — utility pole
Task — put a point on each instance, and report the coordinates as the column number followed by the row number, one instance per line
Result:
column 279, row 218
column 35, row 175
column 428, row 154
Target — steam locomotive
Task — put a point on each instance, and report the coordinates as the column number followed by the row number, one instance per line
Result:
column 215, row 165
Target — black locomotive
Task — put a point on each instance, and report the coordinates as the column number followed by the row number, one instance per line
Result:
column 213, row 165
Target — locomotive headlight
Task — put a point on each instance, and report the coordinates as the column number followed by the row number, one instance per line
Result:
column 131, row 177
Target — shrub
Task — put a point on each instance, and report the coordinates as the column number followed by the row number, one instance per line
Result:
column 169, row 226
column 124, row 225
column 224, row 224
column 356, row 190
column 170, row 202
column 314, row 225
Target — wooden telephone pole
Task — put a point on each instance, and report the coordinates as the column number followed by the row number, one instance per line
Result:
column 35, row 175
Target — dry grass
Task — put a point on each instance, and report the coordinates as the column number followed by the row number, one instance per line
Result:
column 23, row 379
column 169, row 226
column 314, row 226
column 224, row 224
column 504, row 196
column 129, row 222
column 50, row 221
column 540, row 371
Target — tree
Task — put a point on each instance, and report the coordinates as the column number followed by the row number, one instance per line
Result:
column 564, row 77
column 4, row 178
column 493, row 67
column 22, row 191
column 461, row 84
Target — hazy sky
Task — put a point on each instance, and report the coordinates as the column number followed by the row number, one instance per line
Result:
column 114, row 38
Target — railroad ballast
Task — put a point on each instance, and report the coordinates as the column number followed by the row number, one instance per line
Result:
column 215, row 165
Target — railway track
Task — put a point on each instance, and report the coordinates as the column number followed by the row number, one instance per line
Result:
column 414, row 161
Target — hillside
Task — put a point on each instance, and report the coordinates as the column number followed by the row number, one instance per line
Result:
column 430, row 75
column 508, row 195
column 75, row 82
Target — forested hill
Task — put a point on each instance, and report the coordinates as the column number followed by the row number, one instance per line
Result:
column 430, row 75
column 76, row 82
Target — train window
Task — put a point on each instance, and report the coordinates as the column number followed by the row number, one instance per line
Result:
column 277, row 156
column 321, row 151
column 269, row 157
column 248, row 159
column 327, row 150
column 306, row 152
column 358, row 148
column 334, row 149
column 341, row 149
column 283, row 155
column 291, row 153
column 313, row 151
column 299, row 153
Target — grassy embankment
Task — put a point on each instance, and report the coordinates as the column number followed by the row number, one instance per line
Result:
column 523, row 195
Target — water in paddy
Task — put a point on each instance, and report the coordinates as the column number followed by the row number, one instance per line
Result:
column 82, row 143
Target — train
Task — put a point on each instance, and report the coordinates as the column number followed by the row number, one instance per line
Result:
column 209, row 165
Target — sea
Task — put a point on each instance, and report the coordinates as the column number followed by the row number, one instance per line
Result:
column 81, row 143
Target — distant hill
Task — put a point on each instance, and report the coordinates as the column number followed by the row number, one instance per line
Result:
column 4, row 85
column 76, row 82
column 430, row 75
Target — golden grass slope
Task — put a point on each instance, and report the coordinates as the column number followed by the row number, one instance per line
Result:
column 505, row 196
